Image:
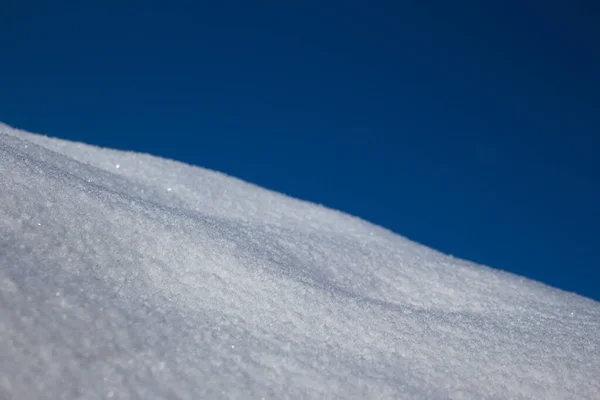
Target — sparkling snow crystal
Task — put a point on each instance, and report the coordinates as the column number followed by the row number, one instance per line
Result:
column 124, row 275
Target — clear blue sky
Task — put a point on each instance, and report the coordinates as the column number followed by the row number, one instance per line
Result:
column 472, row 127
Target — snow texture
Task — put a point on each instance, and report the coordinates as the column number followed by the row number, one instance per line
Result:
column 127, row 276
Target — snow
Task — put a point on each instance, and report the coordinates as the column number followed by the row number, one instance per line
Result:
column 124, row 276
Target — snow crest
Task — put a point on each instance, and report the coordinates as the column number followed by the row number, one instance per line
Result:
column 124, row 275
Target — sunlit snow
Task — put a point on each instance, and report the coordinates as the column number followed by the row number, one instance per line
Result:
column 124, row 275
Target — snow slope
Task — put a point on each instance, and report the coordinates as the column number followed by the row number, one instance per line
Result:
column 124, row 275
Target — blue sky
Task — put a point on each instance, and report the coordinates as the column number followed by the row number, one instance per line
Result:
column 470, row 127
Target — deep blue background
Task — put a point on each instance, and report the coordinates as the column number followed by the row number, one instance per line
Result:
column 472, row 127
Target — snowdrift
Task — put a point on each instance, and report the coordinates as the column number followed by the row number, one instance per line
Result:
column 124, row 275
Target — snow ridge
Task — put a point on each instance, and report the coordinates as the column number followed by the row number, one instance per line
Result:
column 124, row 275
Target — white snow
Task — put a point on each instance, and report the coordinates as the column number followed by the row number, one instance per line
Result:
column 126, row 276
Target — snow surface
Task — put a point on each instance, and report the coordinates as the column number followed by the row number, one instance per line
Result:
column 124, row 275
